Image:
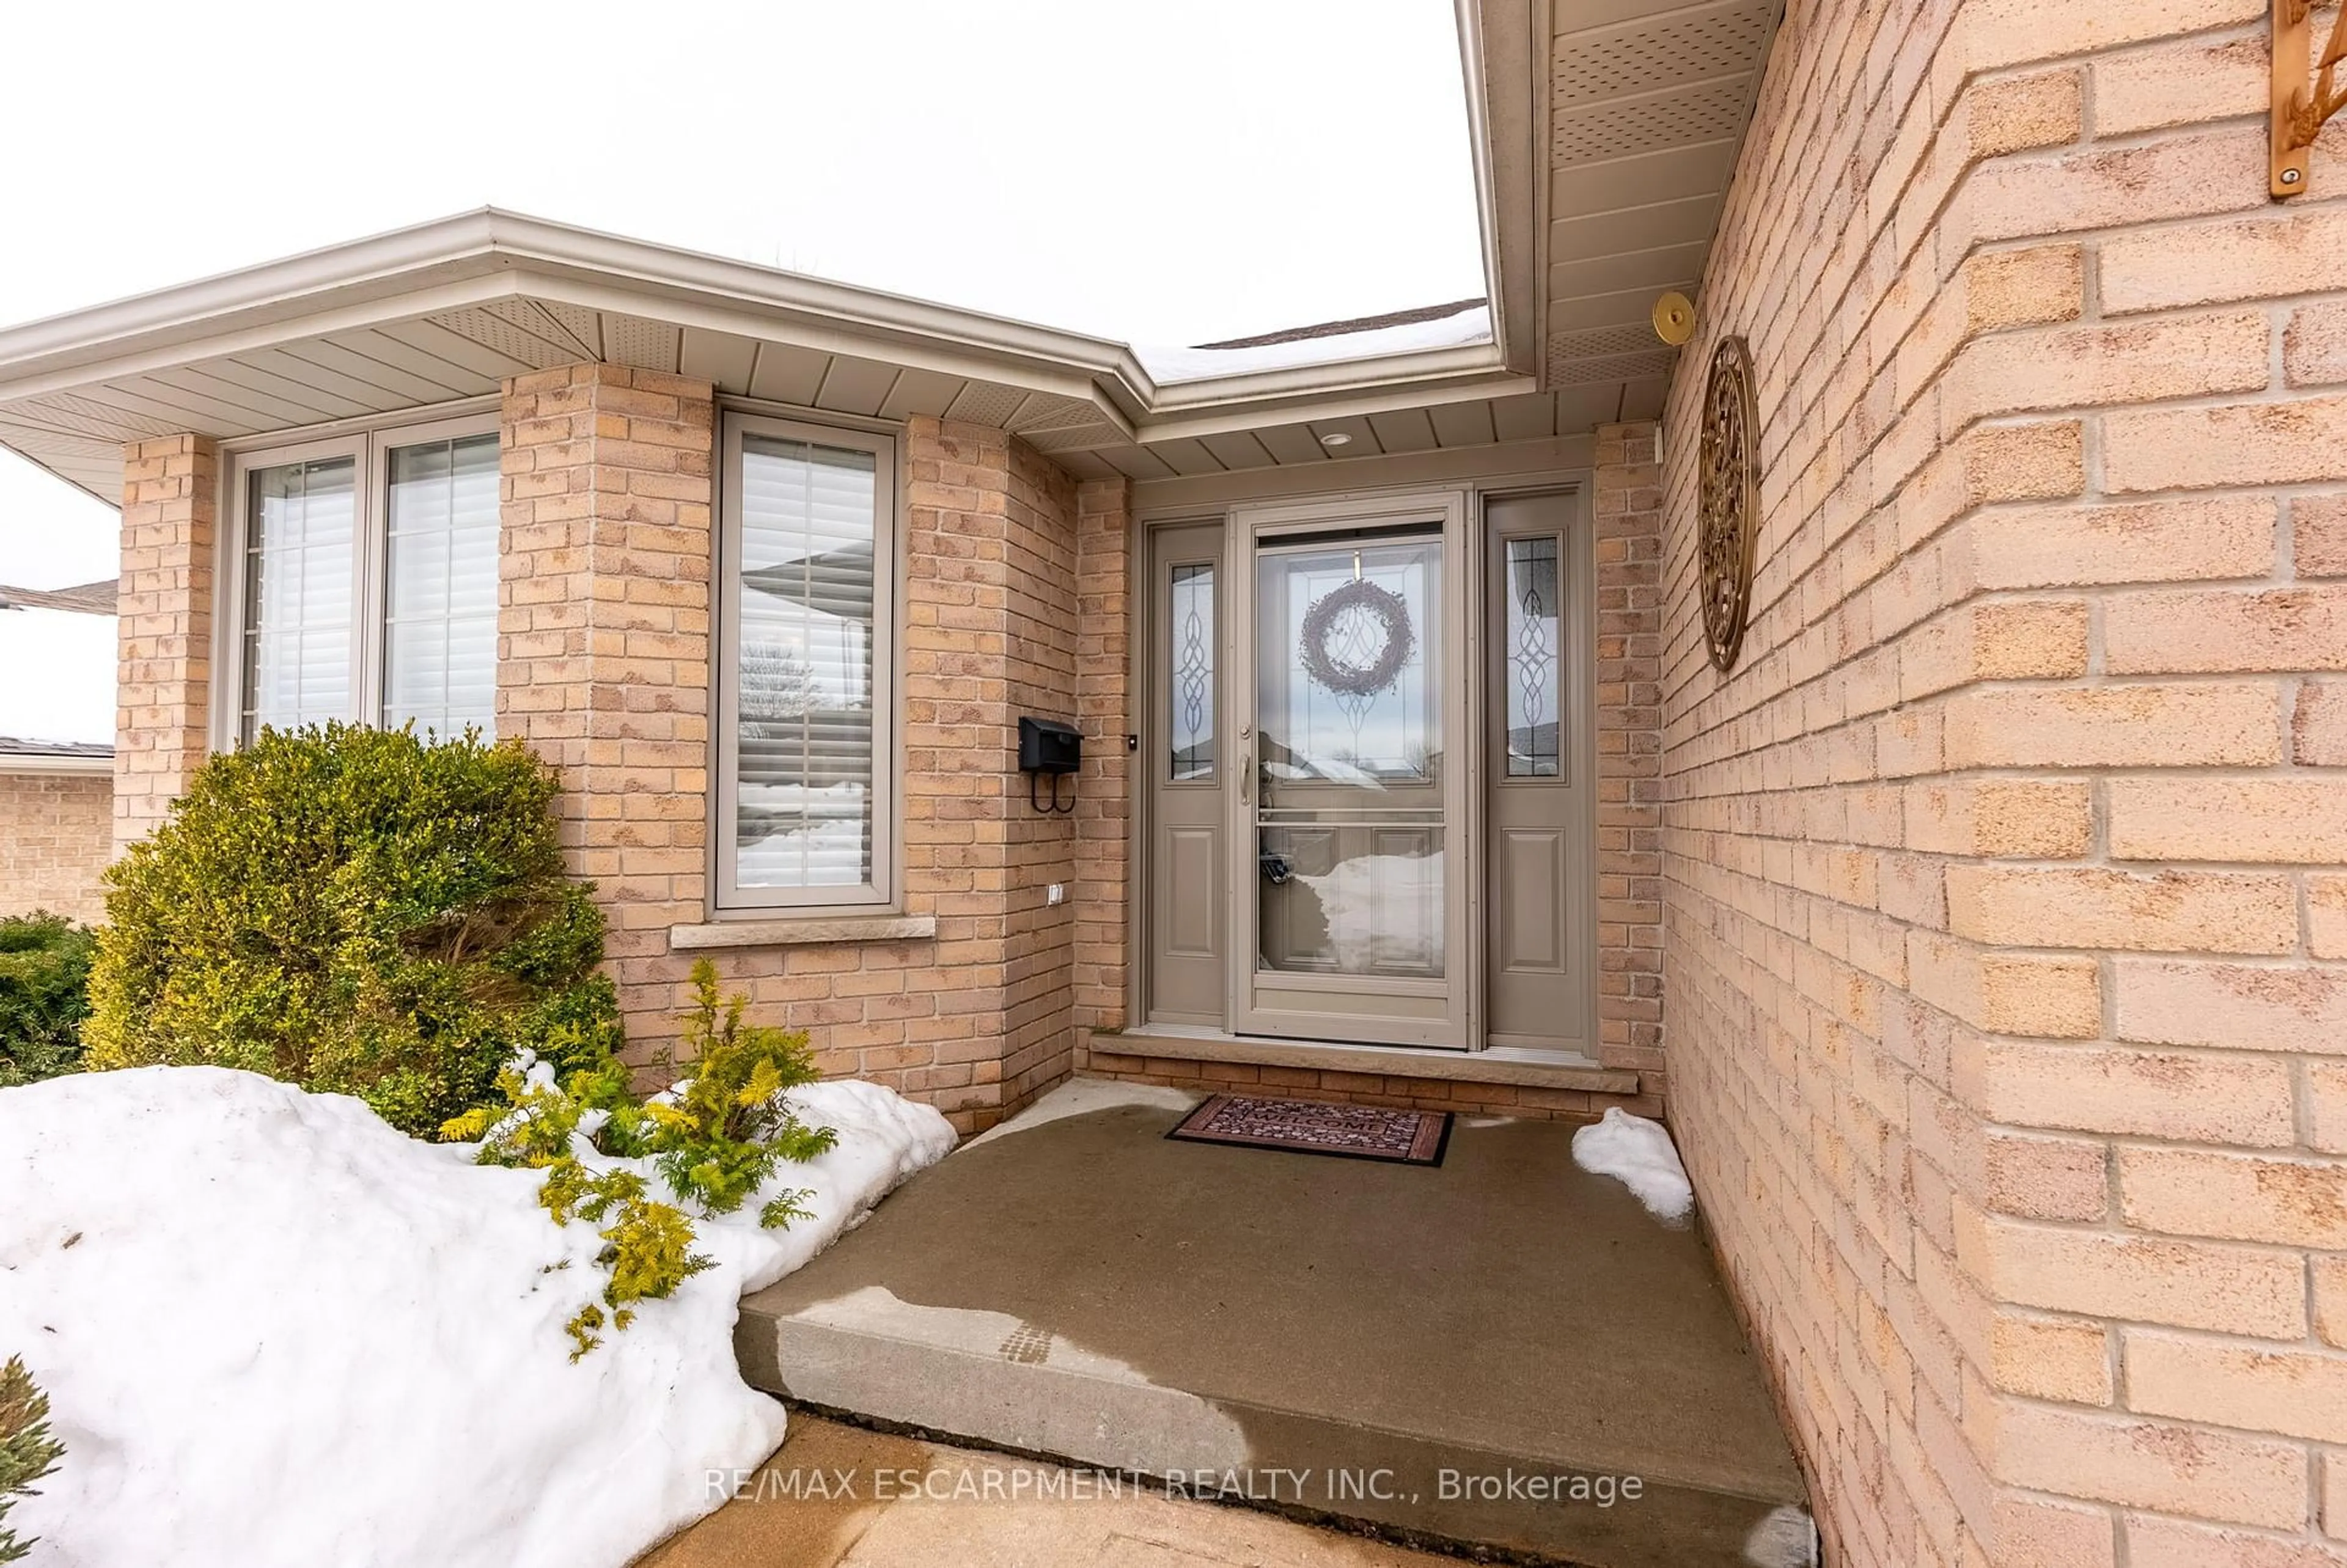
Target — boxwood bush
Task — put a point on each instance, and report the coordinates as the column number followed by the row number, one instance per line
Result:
column 358, row 911
column 43, row 995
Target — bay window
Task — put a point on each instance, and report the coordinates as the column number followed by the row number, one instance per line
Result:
column 805, row 605
column 362, row 578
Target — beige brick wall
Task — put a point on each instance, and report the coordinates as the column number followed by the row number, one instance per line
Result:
column 1105, row 709
column 170, row 495
column 604, row 669
column 2003, row 874
column 57, row 834
column 603, row 644
column 1627, row 522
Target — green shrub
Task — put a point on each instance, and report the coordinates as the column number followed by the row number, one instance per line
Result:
column 43, row 995
column 357, row 911
column 27, row 1452
column 715, row 1138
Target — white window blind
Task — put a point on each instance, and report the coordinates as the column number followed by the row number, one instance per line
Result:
column 301, row 528
column 440, row 597
column 804, row 788
column 366, row 580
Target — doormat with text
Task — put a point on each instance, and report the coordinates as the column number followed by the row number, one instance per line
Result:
column 1312, row 1127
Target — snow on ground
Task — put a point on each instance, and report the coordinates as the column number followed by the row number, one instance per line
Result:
column 1168, row 365
column 275, row 1330
column 1080, row 1097
column 1639, row 1153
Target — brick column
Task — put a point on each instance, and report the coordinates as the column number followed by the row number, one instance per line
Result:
column 990, row 633
column 603, row 644
column 1628, row 548
column 170, row 498
column 1104, row 701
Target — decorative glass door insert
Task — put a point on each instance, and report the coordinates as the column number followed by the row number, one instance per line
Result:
column 1346, row 778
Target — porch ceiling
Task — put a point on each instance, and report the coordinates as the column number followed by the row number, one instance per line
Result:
column 1632, row 112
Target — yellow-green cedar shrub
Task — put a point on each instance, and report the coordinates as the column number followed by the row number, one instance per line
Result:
column 27, row 1452
column 715, row 1137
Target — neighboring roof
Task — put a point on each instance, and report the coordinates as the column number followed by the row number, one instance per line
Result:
column 1356, row 324
column 1332, row 343
column 78, row 757
column 85, row 599
column 10, row 746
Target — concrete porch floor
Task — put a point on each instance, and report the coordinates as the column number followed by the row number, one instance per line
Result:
column 1504, row 1351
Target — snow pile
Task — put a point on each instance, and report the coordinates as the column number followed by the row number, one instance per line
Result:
column 1168, row 365
column 1384, row 912
column 1637, row 1153
column 275, row 1330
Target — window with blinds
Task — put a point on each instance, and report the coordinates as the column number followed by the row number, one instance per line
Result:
column 806, row 596
column 300, row 529
column 366, row 580
column 440, row 594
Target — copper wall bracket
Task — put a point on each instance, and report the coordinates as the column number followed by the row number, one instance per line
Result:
column 2304, row 94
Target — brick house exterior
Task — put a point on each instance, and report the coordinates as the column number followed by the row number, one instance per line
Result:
column 56, row 828
column 1982, row 934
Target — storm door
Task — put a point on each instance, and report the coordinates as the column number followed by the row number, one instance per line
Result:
column 1347, row 859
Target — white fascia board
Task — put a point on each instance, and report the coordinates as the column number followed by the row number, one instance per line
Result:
column 202, row 340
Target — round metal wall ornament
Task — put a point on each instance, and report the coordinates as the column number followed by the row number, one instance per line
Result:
column 1730, row 532
column 1356, row 639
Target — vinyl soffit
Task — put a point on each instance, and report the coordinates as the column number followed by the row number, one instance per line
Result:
column 1676, row 80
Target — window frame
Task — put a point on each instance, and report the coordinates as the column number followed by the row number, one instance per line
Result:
column 369, row 448
column 882, row 893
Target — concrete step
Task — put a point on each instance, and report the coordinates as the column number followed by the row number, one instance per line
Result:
column 1503, row 1352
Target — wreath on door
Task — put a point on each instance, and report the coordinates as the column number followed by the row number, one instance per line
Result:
column 1356, row 639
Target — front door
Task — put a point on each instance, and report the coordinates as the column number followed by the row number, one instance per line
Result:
column 1346, row 871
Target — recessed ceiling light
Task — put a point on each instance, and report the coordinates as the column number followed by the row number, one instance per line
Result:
column 1335, row 438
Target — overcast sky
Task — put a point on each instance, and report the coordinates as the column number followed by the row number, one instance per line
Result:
column 1162, row 173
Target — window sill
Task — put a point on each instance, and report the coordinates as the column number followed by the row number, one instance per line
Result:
column 802, row 932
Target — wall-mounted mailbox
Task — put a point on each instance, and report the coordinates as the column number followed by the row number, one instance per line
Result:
column 1048, row 746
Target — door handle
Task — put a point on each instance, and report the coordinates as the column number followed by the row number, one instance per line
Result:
column 1246, row 769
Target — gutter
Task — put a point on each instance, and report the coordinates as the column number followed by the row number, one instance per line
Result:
column 55, row 764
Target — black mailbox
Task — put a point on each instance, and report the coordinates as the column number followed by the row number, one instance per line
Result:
column 1047, row 748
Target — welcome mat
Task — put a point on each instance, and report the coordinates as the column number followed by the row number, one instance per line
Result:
column 1312, row 1127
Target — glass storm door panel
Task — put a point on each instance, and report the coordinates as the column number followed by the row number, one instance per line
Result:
column 1348, row 791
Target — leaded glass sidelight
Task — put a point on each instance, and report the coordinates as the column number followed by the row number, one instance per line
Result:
column 1190, row 627
column 1533, row 652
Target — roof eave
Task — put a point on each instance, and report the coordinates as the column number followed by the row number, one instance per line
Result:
column 479, row 257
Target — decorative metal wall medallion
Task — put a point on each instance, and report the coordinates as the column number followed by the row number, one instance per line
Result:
column 1731, row 500
column 1356, row 639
